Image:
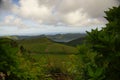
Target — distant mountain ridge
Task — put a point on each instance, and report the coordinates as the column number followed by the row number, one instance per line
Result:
column 65, row 37
column 76, row 42
column 59, row 43
column 57, row 37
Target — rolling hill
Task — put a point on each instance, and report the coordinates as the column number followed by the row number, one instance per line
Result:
column 76, row 42
column 56, row 37
column 45, row 45
column 65, row 37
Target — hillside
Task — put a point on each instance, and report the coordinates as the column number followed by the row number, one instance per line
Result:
column 56, row 37
column 65, row 37
column 45, row 45
column 76, row 42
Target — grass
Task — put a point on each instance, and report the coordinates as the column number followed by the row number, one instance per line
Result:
column 54, row 58
column 44, row 45
column 69, row 65
column 64, row 66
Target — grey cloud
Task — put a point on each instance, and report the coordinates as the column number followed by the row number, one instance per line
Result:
column 0, row 1
column 1, row 4
column 62, row 11
column 47, row 2
column 5, row 4
column 94, row 8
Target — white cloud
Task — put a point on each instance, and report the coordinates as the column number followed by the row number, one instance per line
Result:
column 61, row 12
column 70, row 12
column 84, row 12
column 31, row 9
column 44, row 29
column 12, row 20
column 94, row 8
column 75, row 18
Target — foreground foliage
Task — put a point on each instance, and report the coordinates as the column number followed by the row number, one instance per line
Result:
column 15, row 65
column 106, row 43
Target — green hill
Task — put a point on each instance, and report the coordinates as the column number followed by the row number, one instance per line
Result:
column 45, row 45
column 76, row 42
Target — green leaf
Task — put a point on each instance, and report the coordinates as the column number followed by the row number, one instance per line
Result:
column 90, row 72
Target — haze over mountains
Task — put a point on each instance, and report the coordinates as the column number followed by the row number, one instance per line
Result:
column 58, row 43
column 56, row 37
column 65, row 37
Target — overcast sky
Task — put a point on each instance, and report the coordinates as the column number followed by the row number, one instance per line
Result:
column 34, row 17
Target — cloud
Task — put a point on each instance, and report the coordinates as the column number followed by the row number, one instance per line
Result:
column 0, row 1
column 119, row 0
column 31, row 9
column 5, row 5
column 85, row 12
column 44, row 29
column 78, row 18
column 94, row 8
column 12, row 20
column 57, row 12
column 70, row 12
column 33, row 17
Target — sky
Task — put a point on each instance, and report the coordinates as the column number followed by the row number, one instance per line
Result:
column 35, row 17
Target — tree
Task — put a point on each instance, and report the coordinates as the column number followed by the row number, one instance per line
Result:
column 8, row 57
column 106, row 43
column 13, row 65
column 17, row 66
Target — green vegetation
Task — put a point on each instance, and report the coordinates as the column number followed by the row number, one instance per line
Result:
column 13, row 64
column 106, row 44
column 59, row 65
column 44, row 45
column 8, row 50
column 38, row 66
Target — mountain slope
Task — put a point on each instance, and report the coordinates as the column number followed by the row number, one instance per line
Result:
column 76, row 41
column 45, row 45
column 65, row 37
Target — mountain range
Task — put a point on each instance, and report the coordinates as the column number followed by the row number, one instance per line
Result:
column 57, row 37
